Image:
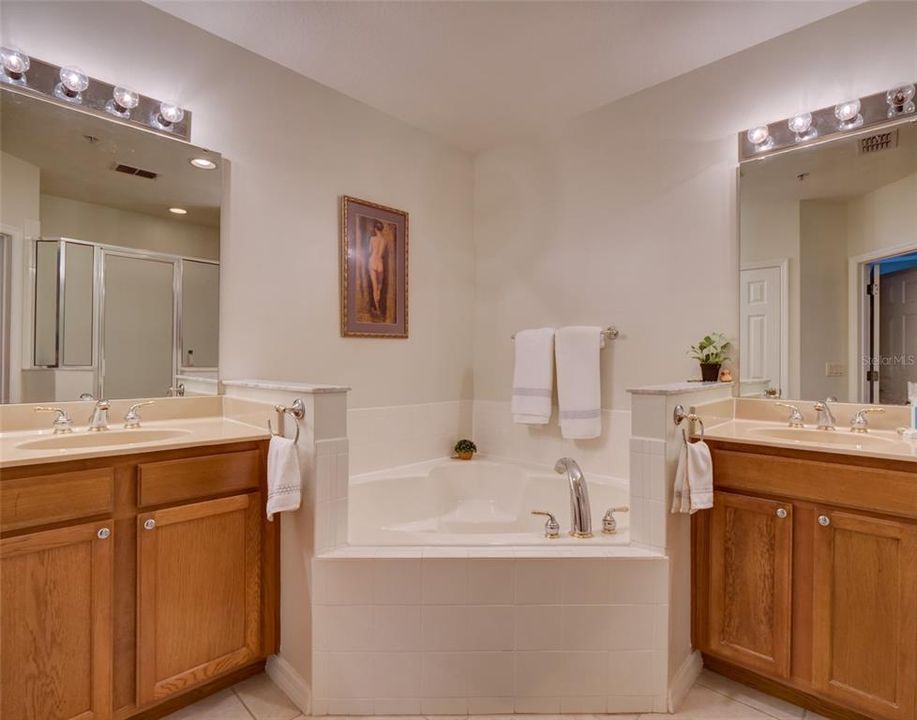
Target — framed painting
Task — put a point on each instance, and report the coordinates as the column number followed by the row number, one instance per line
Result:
column 374, row 270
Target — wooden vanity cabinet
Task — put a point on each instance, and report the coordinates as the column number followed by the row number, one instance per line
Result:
column 804, row 587
column 154, row 583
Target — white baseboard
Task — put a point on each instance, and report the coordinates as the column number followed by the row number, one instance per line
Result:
column 684, row 679
column 288, row 680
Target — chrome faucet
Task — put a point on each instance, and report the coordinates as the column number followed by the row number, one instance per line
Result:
column 580, row 512
column 132, row 418
column 795, row 420
column 98, row 421
column 62, row 423
column 825, row 419
column 859, row 423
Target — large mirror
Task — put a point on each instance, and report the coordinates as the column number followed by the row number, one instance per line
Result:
column 828, row 270
column 109, row 257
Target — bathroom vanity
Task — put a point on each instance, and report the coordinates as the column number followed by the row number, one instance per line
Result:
column 805, row 577
column 157, row 565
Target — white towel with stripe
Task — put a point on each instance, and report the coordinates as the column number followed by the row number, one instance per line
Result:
column 579, row 383
column 284, row 480
column 533, row 376
column 693, row 479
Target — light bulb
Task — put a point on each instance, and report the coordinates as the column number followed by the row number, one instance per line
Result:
column 170, row 114
column 900, row 100
column 801, row 124
column 126, row 98
column 72, row 83
column 849, row 114
column 123, row 100
column 74, row 79
column 760, row 137
column 15, row 64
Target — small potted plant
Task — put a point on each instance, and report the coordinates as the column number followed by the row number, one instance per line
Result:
column 464, row 449
column 711, row 353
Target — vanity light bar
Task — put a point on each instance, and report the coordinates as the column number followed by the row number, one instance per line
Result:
column 806, row 128
column 69, row 86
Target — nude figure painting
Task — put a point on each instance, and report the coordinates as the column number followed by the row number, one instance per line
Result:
column 374, row 265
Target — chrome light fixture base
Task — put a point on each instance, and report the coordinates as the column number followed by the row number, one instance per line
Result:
column 854, row 114
column 30, row 76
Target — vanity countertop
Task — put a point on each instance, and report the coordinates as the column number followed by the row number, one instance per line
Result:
column 173, row 434
column 884, row 444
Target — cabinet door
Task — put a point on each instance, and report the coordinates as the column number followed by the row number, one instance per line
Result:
column 199, row 593
column 865, row 629
column 751, row 545
column 55, row 627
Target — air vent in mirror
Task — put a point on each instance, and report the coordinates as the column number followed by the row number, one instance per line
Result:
column 130, row 170
column 877, row 142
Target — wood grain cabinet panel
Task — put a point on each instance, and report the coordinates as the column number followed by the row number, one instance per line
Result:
column 32, row 501
column 55, row 625
column 865, row 624
column 173, row 481
column 749, row 612
column 199, row 593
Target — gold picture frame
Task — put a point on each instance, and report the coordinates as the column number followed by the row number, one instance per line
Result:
column 374, row 269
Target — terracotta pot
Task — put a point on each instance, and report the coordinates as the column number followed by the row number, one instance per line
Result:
column 465, row 455
column 710, row 372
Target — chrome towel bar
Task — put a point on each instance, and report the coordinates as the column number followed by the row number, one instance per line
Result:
column 609, row 333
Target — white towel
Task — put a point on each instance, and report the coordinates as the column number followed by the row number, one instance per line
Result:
column 579, row 386
column 912, row 392
column 284, row 481
column 693, row 479
column 533, row 376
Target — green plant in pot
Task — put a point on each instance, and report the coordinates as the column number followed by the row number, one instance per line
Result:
column 465, row 449
column 711, row 353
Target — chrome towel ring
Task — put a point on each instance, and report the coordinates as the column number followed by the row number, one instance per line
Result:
column 297, row 410
column 679, row 416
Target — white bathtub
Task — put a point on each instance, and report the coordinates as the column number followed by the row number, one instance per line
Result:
column 477, row 502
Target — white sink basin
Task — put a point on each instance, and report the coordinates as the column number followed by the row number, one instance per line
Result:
column 106, row 438
column 823, row 437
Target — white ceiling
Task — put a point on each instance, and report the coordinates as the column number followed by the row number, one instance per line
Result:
column 480, row 73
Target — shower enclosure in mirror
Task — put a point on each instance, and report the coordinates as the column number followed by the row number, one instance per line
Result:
column 828, row 269
column 110, row 257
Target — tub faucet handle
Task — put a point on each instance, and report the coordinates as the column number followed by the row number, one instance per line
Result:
column 609, row 523
column 551, row 526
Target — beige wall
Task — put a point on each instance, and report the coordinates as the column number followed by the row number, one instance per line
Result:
column 19, row 217
column 627, row 215
column 63, row 217
column 294, row 148
column 822, row 298
column 883, row 219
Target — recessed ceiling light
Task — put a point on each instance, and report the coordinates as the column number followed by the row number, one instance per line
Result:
column 178, row 211
column 203, row 163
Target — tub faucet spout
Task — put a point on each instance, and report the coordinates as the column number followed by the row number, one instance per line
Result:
column 580, row 512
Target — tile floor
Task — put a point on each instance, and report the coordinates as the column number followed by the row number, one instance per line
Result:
column 712, row 698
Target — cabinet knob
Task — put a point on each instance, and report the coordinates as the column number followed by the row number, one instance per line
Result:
column 781, row 513
column 149, row 524
column 824, row 520
column 103, row 533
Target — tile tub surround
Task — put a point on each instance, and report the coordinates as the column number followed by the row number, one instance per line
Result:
column 489, row 635
column 496, row 434
column 384, row 437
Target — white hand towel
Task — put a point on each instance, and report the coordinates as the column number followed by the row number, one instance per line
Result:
column 579, row 387
column 693, row 479
column 533, row 376
column 284, row 481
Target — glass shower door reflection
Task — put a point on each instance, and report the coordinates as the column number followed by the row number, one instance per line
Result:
column 138, row 326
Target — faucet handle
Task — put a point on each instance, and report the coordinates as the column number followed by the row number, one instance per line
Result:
column 132, row 417
column 62, row 423
column 795, row 419
column 551, row 526
column 859, row 424
column 609, row 523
